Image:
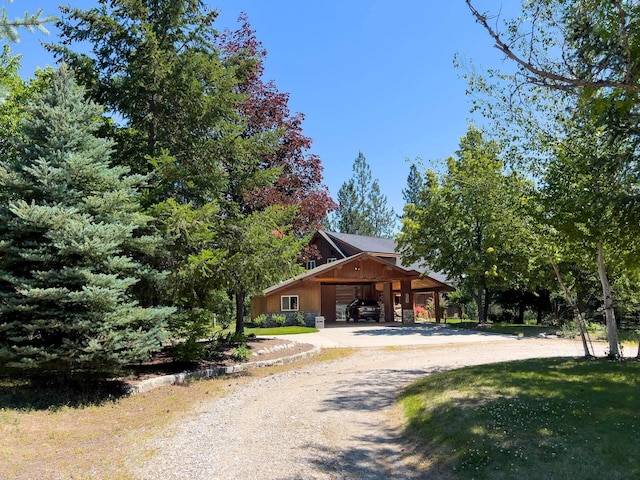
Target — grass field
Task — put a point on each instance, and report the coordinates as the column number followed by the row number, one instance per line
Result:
column 533, row 419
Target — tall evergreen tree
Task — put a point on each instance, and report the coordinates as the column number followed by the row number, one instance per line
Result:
column 382, row 217
column 362, row 207
column 69, row 225
column 415, row 184
column 348, row 217
column 222, row 143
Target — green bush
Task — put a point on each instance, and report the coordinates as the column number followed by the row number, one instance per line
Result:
column 241, row 353
column 568, row 330
column 299, row 319
column 188, row 350
column 279, row 319
column 260, row 321
column 187, row 327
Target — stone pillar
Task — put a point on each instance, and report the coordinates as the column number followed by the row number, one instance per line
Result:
column 406, row 300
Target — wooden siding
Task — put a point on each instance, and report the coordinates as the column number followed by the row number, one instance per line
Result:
column 325, row 250
column 308, row 298
column 359, row 271
column 345, row 293
column 328, row 310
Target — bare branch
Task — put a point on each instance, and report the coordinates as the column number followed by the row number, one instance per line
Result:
column 547, row 78
column 625, row 38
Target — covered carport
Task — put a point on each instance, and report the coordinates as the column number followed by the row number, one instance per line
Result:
column 316, row 291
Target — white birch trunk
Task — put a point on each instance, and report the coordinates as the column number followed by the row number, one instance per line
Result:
column 574, row 307
column 609, row 315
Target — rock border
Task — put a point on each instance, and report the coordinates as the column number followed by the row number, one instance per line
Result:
column 179, row 378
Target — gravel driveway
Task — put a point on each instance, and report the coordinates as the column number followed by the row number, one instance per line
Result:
column 332, row 420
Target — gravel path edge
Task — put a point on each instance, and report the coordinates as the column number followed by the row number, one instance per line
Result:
column 178, row 378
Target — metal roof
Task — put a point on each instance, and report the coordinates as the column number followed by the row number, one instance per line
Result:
column 376, row 245
column 366, row 244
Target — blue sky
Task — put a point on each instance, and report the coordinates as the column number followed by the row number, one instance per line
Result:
column 370, row 76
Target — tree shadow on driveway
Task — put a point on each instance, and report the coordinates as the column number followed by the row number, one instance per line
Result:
column 373, row 390
column 425, row 330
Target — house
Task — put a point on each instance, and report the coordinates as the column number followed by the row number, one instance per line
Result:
column 352, row 266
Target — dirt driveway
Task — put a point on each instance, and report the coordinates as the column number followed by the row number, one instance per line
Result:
column 332, row 420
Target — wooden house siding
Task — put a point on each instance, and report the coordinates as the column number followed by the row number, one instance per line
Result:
column 368, row 269
column 308, row 299
column 325, row 251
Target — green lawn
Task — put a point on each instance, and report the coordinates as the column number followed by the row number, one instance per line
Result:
column 291, row 330
column 533, row 419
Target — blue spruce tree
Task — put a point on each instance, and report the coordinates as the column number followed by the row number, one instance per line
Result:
column 70, row 230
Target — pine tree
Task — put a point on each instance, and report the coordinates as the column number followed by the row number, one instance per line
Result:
column 415, row 184
column 381, row 217
column 194, row 104
column 349, row 217
column 30, row 21
column 362, row 207
column 70, row 224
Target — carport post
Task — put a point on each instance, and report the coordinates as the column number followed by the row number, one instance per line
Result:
column 387, row 301
column 436, row 306
column 406, row 294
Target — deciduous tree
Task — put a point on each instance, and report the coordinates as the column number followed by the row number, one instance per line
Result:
column 265, row 109
column 577, row 65
column 468, row 222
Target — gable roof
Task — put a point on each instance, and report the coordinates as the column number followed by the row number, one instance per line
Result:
column 376, row 245
column 319, row 270
column 365, row 244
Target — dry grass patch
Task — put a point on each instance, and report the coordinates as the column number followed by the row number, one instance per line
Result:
column 100, row 438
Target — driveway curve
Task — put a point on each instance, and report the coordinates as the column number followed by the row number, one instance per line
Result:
column 330, row 420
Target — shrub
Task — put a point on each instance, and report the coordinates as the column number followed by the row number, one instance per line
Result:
column 299, row 319
column 188, row 350
column 278, row 319
column 568, row 330
column 241, row 353
column 420, row 312
column 260, row 321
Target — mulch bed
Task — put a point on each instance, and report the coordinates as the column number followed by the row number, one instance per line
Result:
column 162, row 363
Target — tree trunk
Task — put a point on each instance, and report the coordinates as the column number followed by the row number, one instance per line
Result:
column 609, row 315
column 539, row 314
column 487, row 303
column 240, row 296
column 574, row 306
column 479, row 301
column 521, row 309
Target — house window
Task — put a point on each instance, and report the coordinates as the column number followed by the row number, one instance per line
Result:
column 332, row 259
column 311, row 264
column 289, row 303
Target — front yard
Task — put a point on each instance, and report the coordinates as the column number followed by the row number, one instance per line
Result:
column 533, row 419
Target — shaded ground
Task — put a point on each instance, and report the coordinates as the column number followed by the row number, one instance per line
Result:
column 162, row 363
column 327, row 421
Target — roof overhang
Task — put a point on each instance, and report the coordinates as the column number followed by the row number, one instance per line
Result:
column 354, row 270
